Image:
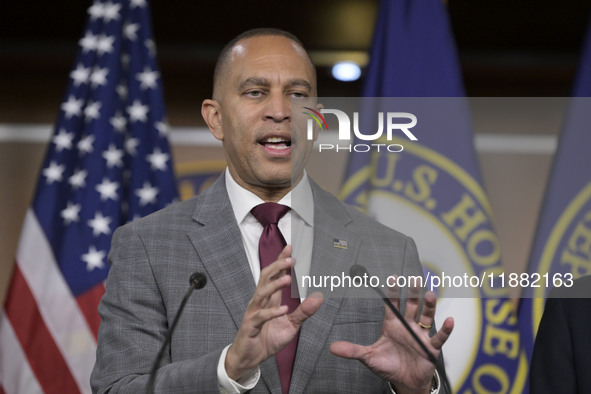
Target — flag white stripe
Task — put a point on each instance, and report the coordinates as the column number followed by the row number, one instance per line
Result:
column 56, row 303
column 16, row 375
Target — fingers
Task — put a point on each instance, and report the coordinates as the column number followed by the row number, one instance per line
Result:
column 393, row 294
column 266, row 301
column 273, row 280
column 307, row 308
column 427, row 316
column 273, row 277
column 412, row 303
column 347, row 350
column 279, row 266
column 413, row 300
column 443, row 334
column 261, row 316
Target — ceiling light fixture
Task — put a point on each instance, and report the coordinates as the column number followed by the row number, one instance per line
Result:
column 346, row 71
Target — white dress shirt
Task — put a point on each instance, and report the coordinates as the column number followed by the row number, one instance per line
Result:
column 297, row 227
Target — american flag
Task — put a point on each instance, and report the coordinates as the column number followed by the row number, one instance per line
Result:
column 108, row 162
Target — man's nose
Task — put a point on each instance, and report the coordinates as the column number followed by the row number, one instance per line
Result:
column 278, row 108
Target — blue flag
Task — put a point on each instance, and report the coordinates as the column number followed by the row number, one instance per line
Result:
column 561, row 250
column 107, row 163
column 432, row 191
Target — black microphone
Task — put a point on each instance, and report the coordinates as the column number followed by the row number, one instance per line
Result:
column 196, row 281
column 359, row 271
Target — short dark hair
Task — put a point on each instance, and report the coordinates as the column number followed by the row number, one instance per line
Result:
column 222, row 60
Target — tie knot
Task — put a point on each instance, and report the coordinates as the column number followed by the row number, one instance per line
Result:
column 269, row 213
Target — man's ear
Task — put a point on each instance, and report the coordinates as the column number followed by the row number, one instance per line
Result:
column 211, row 112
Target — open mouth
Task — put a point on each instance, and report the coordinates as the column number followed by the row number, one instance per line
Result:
column 278, row 143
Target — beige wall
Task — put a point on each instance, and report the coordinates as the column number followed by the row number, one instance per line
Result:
column 19, row 165
column 515, row 183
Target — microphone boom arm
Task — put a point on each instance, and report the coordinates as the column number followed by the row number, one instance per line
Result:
column 197, row 281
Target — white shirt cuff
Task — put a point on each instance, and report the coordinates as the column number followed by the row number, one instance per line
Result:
column 433, row 390
column 230, row 386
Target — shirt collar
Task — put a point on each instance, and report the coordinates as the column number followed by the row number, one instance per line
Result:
column 299, row 199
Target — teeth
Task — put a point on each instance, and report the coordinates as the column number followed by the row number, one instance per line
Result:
column 275, row 140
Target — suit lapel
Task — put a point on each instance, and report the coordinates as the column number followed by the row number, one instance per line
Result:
column 330, row 225
column 218, row 243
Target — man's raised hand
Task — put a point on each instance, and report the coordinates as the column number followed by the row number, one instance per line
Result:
column 395, row 356
column 266, row 327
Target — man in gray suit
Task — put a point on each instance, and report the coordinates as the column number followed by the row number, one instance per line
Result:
column 231, row 331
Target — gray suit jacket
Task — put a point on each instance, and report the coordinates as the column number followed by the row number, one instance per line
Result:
column 152, row 259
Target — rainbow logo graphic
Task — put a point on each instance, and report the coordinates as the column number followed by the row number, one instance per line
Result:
column 317, row 116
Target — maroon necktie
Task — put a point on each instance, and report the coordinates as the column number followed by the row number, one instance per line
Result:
column 270, row 245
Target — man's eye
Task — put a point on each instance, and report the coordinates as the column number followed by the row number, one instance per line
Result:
column 299, row 95
column 254, row 93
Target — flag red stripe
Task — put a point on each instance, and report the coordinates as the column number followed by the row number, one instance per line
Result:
column 88, row 303
column 43, row 355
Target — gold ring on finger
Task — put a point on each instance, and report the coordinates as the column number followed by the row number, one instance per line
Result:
column 425, row 327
